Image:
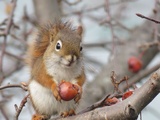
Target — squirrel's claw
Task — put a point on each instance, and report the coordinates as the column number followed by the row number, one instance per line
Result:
column 68, row 113
column 39, row 117
column 78, row 96
column 56, row 94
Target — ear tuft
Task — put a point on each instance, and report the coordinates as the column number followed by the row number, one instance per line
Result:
column 80, row 30
column 53, row 33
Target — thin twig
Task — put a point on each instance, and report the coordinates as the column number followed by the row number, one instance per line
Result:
column 100, row 103
column 116, row 82
column 22, row 85
column 15, row 56
column 19, row 39
column 94, row 106
column 3, row 22
column 96, row 8
column 121, row 1
column 140, row 75
column 155, row 27
column 5, row 33
column 102, row 44
column 145, row 46
column 142, row 16
column 22, row 104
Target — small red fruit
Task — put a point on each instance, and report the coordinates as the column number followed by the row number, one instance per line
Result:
column 111, row 101
column 68, row 90
column 134, row 64
column 127, row 94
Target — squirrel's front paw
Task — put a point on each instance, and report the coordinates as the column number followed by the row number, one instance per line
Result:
column 56, row 94
column 79, row 94
column 55, row 91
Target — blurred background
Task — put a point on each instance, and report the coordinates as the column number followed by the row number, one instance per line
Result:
column 112, row 34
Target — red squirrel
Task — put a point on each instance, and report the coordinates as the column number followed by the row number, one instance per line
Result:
column 55, row 55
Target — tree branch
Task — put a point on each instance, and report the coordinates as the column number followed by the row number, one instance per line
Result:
column 130, row 108
column 22, row 85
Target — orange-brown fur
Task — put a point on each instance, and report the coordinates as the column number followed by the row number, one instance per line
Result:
column 81, row 79
column 35, row 58
column 45, row 33
column 39, row 74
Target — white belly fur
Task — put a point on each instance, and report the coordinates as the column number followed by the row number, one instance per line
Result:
column 45, row 102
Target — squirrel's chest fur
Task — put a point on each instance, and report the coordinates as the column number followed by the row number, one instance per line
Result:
column 48, row 104
column 59, row 72
column 50, row 68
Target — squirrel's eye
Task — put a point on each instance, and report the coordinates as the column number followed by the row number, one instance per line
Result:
column 58, row 45
column 81, row 48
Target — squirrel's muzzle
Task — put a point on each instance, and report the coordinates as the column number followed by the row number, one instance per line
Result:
column 71, row 59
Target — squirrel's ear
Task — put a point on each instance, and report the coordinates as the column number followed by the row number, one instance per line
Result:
column 53, row 33
column 80, row 30
column 51, row 37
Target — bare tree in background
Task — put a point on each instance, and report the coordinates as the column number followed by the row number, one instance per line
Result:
column 115, row 76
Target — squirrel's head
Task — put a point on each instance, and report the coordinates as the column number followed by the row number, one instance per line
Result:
column 64, row 47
